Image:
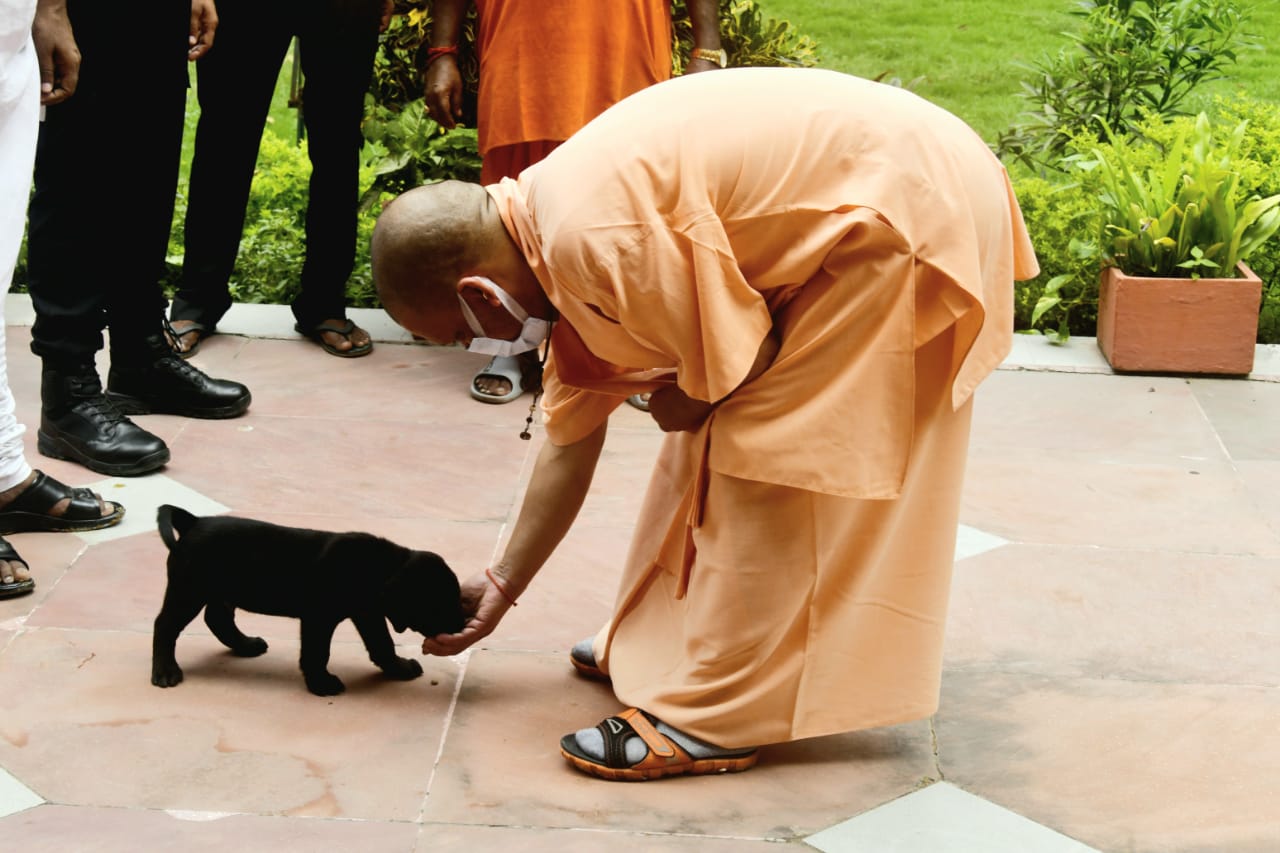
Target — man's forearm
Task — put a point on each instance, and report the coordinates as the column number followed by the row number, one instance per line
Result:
column 704, row 17
column 561, row 478
column 446, row 22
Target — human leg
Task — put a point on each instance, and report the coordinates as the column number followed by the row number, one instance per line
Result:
column 99, row 230
column 234, row 85
column 338, row 40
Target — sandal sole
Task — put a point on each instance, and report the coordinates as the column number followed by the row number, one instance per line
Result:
column 30, row 522
column 697, row 767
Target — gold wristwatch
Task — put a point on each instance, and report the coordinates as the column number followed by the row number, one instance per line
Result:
column 719, row 57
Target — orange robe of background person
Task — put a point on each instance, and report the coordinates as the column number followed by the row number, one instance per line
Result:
column 790, row 570
column 547, row 67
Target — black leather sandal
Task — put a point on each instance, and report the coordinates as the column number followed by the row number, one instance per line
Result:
column 29, row 511
column 17, row 588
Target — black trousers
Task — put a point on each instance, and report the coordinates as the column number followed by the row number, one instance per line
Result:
column 106, row 172
column 234, row 84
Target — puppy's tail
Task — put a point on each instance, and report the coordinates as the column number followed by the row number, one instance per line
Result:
column 171, row 518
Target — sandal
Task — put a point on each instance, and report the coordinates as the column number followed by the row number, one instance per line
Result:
column 177, row 340
column 500, row 367
column 17, row 588
column 338, row 327
column 583, row 658
column 29, row 511
column 665, row 757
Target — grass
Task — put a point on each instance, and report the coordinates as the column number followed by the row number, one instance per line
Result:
column 963, row 54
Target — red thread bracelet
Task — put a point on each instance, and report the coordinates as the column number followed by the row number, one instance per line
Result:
column 499, row 588
column 434, row 53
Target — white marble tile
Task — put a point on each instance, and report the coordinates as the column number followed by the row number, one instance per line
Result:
column 141, row 497
column 15, row 796
column 942, row 819
column 970, row 542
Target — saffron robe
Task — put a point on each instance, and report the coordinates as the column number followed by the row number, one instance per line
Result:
column 547, row 67
column 790, row 569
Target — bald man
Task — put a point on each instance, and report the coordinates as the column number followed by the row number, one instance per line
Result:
column 814, row 292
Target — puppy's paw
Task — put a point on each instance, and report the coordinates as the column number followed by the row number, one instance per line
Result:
column 324, row 684
column 166, row 674
column 250, row 648
column 402, row 669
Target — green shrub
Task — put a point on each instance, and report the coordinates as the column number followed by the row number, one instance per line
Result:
column 1064, row 218
column 1131, row 58
column 273, row 246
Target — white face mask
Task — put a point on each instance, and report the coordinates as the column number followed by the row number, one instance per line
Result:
column 532, row 333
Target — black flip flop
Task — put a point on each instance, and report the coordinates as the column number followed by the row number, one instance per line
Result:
column 174, row 336
column 29, row 511
column 345, row 328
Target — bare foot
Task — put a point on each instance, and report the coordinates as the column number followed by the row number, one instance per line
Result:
column 358, row 339
column 187, row 335
column 13, row 571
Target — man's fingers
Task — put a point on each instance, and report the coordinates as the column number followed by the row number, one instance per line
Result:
column 70, row 76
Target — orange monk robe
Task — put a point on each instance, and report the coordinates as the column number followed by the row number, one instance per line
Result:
column 790, row 570
column 547, row 67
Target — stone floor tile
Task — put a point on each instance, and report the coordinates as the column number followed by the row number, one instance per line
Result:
column 1037, row 497
column 312, row 466
column 419, row 384
column 942, row 819
column 572, row 595
column 59, row 829
column 445, row 838
column 1260, row 479
column 1109, row 419
column 1119, row 765
column 141, row 497
column 501, row 766
column 1091, row 612
column 48, row 556
column 81, row 724
column 1246, row 415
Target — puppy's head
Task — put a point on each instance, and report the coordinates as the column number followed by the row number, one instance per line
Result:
column 423, row 594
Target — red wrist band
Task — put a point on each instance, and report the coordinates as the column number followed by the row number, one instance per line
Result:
column 499, row 588
column 434, row 53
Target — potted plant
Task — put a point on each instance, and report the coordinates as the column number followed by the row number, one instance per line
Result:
column 1175, row 295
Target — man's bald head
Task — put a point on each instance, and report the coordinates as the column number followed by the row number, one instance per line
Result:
column 426, row 240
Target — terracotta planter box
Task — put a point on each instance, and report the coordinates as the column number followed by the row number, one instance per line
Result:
column 1177, row 325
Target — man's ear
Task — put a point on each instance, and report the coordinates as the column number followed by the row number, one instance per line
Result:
column 474, row 290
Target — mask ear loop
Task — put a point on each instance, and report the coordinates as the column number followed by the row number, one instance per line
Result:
column 533, row 407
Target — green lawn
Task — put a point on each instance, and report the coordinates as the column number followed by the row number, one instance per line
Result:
column 966, row 52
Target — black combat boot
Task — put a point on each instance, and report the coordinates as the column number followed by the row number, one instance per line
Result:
column 78, row 422
column 158, row 381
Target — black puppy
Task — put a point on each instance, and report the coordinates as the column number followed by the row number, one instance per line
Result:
column 220, row 563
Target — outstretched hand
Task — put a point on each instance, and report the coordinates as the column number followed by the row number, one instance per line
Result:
column 485, row 607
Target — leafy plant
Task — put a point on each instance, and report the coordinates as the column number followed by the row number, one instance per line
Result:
column 273, row 246
column 405, row 149
column 1132, row 58
column 408, row 149
column 1185, row 217
column 747, row 36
